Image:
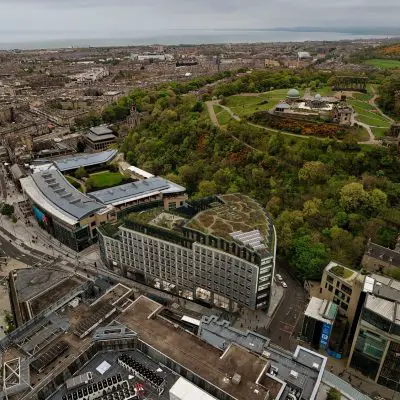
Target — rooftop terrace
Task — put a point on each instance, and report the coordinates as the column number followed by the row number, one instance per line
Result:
column 234, row 216
column 342, row 272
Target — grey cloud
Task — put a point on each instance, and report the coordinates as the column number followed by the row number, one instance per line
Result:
column 111, row 18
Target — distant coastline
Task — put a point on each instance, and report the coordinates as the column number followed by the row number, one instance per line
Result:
column 12, row 40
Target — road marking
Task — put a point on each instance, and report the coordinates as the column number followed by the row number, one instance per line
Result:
column 285, row 327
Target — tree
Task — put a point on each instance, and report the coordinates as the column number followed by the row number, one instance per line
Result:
column 387, row 93
column 377, row 200
column 198, row 107
column 353, row 196
column 333, row 394
column 7, row 209
column 207, row 188
column 387, row 236
column 273, row 206
column 311, row 208
column 113, row 167
column 308, row 258
column 314, row 172
column 81, row 173
column 341, row 219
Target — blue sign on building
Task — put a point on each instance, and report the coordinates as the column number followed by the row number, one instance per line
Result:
column 326, row 331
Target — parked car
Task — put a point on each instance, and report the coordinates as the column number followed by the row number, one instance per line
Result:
column 284, row 285
column 279, row 277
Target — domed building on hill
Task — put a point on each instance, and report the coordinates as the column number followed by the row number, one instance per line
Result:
column 293, row 95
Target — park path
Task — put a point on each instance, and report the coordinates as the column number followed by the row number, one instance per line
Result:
column 372, row 138
column 214, row 120
column 372, row 102
column 211, row 112
column 210, row 107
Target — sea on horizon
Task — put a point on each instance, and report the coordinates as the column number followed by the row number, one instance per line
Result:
column 9, row 41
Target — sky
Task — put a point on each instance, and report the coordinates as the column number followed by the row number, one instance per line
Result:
column 53, row 19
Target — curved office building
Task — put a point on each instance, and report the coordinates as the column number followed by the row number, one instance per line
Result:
column 220, row 250
column 63, row 211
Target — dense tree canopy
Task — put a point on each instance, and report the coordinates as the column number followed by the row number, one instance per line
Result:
column 327, row 198
column 387, row 91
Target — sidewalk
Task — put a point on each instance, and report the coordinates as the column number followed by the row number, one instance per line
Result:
column 259, row 319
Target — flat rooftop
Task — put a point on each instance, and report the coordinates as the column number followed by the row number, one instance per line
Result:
column 342, row 272
column 99, row 138
column 136, row 190
column 220, row 333
column 114, row 369
column 195, row 354
column 388, row 309
column 101, row 130
column 85, row 160
column 234, row 216
column 321, row 310
column 51, row 191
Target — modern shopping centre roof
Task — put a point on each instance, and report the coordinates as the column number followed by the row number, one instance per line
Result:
column 85, row 160
column 136, row 190
column 53, row 193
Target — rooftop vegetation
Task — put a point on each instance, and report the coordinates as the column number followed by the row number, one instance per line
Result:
column 341, row 272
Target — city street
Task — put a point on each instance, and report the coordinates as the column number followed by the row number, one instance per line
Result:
column 11, row 251
column 286, row 322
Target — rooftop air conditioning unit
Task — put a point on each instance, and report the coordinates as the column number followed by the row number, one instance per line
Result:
column 266, row 354
column 294, row 374
column 316, row 366
column 236, row 379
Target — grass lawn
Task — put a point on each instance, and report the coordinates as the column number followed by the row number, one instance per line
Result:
column 367, row 115
column 323, row 91
column 365, row 97
column 105, row 179
column 222, row 115
column 361, row 134
column 383, row 63
column 379, row 132
column 74, row 183
column 247, row 105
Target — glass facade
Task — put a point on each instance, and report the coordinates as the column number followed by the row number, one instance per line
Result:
column 390, row 373
column 368, row 353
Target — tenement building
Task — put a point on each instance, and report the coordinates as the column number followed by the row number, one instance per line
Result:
column 220, row 250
